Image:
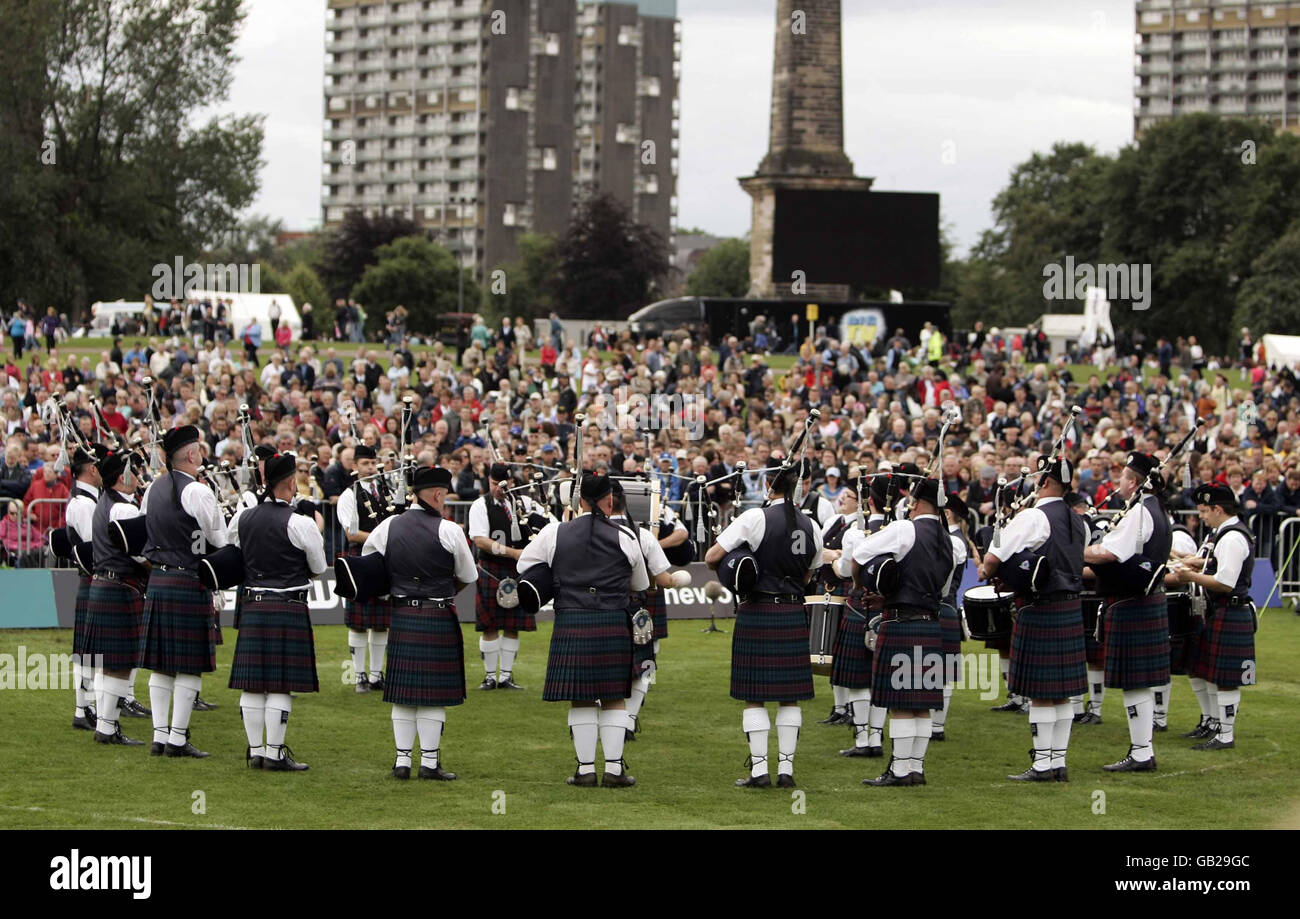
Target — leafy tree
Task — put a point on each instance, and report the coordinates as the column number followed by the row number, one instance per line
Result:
column 611, row 265
column 351, row 247
column 529, row 286
column 249, row 240
column 723, row 271
column 416, row 273
column 303, row 284
column 1270, row 298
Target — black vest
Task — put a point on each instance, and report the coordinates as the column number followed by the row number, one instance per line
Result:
column 782, row 559
column 419, row 565
column 172, row 532
column 1242, row 589
column 951, row 596
column 499, row 525
column 1161, row 541
column 924, row 571
column 370, row 512
column 107, row 556
column 270, row 559
column 590, row 569
column 1064, row 549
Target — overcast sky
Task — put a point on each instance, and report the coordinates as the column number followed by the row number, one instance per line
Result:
column 987, row 82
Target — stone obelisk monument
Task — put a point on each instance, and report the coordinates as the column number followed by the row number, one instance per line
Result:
column 806, row 141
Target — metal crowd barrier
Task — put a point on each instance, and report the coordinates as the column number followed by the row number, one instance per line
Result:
column 1288, row 572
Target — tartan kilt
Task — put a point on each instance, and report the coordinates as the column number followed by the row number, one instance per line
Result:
column 80, row 621
column 658, row 608
column 950, row 629
column 113, row 611
column 176, row 633
column 373, row 614
column 1137, row 643
column 275, row 650
column 488, row 615
column 770, row 657
column 1186, row 649
column 590, row 656
column 850, row 659
column 908, row 638
column 1228, row 643
column 426, row 657
column 1094, row 647
column 1047, row 655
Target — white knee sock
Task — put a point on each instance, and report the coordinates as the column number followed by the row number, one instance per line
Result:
column 1076, row 704
column 1212, row 690
column 110, row 694
column 859, row 703
column 922, row 728
column 429, row 721
column 186, row 691
column 130, row 685
column 1097, row 689
column 160, row 701
column 357, row 648
column 939, row 716
column 614, row 725
column 404, row 733
column 841, row 695
column 757, row 724
column 78, row 687
column 491, row 654
column 789, row 718
column 1200, row 688
column 584, row 725
column 901, row 734
column 640, row 686
column 378, row 642
column 1061, row 734
column 509, row 650
column 1229, row 706
column 252, row 708
column 1042, row 725
column 278, row 706
column 1160, row 707
column 1138, row 705
column 876, row 721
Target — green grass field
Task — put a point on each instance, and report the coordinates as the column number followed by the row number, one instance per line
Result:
column 512, row 751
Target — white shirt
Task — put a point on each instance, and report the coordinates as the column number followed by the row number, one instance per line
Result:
column 1183, row 543
column 1231, row 553
column 302, row 534
column 750, row 527
column 125, row 510
column 843, row 566
column 81, row 510
column 199, row 502
column 668, row 515
column 656, row 560
column 346, row 509
column 896, row 538
column 1127, row 539
column 478, row 517
column 1029, row 529
column 541, row 551
column 451, row 536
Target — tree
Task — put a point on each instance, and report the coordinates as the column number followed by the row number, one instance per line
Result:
column 1270, row 298
column 529, row 286
column 114, row 167
column 303, row 284
column 351, row 247
column 611, row 265
column 247, row 241
column 414, row 272
column 723, row 271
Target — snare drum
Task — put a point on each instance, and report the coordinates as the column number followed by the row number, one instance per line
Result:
column 823, row 623
column 987, row 611
column 1181, row 621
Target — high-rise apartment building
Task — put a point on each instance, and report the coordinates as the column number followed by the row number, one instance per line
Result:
column 484, row 119
column 1231, row 57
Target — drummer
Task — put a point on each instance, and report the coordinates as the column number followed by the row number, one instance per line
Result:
column 1093, row 638
column 1136, row 623
column 830, row 584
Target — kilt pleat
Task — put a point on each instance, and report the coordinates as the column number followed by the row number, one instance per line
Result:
column 1048, row 660
column 488, row 614
column 590, row 656
column 658, row 608
column 1094, row 645
column 908, row 670
column 176, row 633
column 770, row 659
column 275, row 650
column 950, row 629
column 1137, row 643
column 1227, row 647
column 850, row 660
column 373, row 614
column 79, row 621
column 113, row 612
column 426, row 657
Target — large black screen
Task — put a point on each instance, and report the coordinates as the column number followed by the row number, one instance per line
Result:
column 863, row 239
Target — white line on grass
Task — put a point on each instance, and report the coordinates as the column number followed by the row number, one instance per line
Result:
column 95, row 816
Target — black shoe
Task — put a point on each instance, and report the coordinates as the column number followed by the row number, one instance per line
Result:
column 587, row 780
column 363, row 684
column 863, row 751
column 201, row 706
column 437, row 773
column 489, row 682
column 506, row 683
column 755, row 781
column 1159, row 728
column 285, row 763
column 118, row 738
column 401, row 772
column 1078, row 718
column 1129, row 764
column 888, row 779
column 1214, row 743
column 1061, row 773
column 1036, row 775
column 130, row 708
column 918, row 778
column 1008, row 706
column 378, row 685
column 939, row 736
column 157, row 749
column 1089, row 718
column 187, row 749
column 835, row 717
column 85, row 723
column 785, row 781
column 1201, row 731
column 251, row 761
column 622, row 780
